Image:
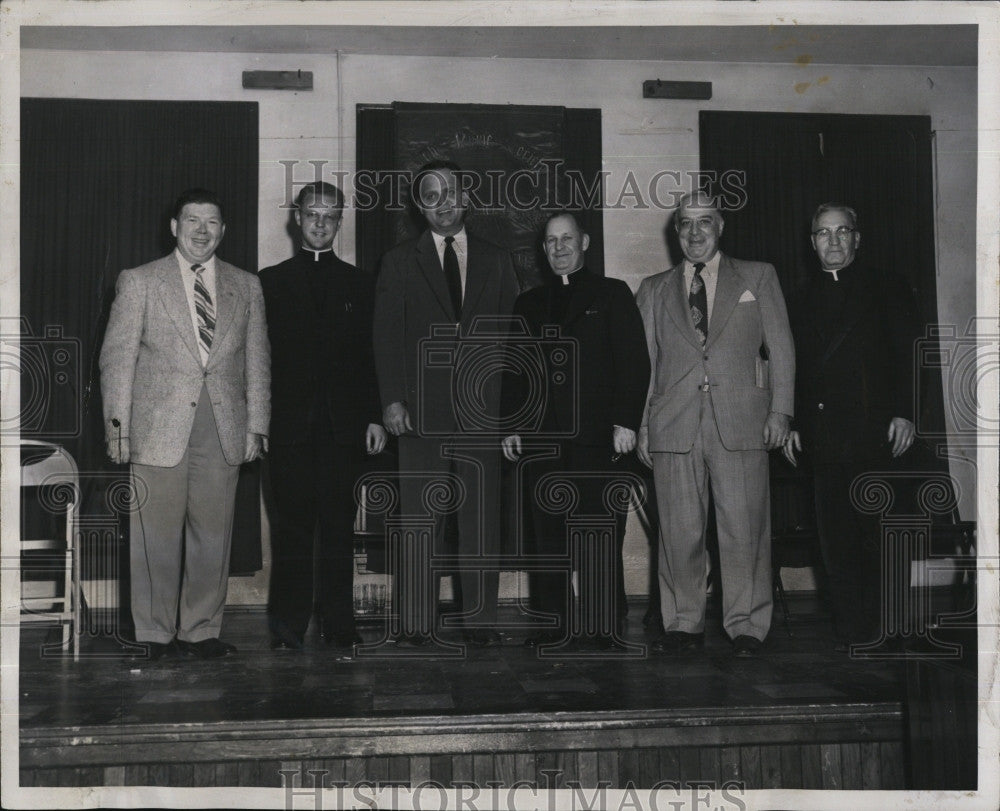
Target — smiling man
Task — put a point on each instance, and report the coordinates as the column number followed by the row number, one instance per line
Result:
column 326, row 418
column 445, row 278
column 185, row 377
column 715, row 408
column 593, row 422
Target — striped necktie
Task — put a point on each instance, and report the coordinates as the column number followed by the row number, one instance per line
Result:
column 204, row 308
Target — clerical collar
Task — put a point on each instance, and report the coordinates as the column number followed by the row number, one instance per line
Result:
column 835, row 272
column 316, row 255
column 571, row 278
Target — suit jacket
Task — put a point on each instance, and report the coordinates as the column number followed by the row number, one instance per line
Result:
column 854, row 339
column 411, row 301
column 748, row 313
column 322, row 366
column 151, row 369
column 602, row 329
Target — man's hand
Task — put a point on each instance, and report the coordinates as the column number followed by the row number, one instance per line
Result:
column 397, row 419
column 375, row 439
column 511, row 447
column 642, row 447
column 901, row 433
column 256, row 447
column 792, row 444
column 623, row 439
column 776, row 430
column 119, row 457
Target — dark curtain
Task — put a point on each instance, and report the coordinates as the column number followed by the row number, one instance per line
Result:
column 881, row 165
column 98, row 179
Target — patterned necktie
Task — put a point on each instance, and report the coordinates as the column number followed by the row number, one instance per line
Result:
column 204, row 308
column 698, row 301
column 453, row 276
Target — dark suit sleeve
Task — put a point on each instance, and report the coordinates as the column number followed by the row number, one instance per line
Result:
column 368, row 386
column 902, row 331
column 514, row 386
column 389, row 330
column 631, row 358
column 509, row 286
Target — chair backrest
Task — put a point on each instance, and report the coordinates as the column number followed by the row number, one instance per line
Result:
column 43, row 463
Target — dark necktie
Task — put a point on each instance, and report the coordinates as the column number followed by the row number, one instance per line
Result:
column 698, row 301
column 453, row 276
column 204, row 308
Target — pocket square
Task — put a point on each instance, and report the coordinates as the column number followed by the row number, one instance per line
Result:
column 747, row 296
column 591, row 312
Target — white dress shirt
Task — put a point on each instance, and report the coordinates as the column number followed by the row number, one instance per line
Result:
column 208, row 278
column 461, row 246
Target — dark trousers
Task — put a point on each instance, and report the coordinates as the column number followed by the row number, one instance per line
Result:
column 850, row 543
column 313, row 481
column 589, row 470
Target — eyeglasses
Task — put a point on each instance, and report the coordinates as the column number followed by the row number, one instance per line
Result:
column 840, row 233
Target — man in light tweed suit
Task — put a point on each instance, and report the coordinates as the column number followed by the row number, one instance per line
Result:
column 715, row 407
column 185, row 376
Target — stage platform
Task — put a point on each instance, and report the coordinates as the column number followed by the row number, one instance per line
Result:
column 799, row 716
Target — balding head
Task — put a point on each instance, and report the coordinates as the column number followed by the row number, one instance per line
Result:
column 699, row 226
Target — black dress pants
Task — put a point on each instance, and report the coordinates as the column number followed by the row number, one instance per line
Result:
column 589, row 470
column 312, row 481
column 851, row 546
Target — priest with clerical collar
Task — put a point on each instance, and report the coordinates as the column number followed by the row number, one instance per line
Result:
column 855, row 330
column 326, row 418
column 590, row 406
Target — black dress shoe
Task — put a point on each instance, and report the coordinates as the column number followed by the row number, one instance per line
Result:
column 206, row 648
column 282, row 636
column 543, row 638
column 746, row 646
column 154, row 651
column 344, row 639
column 278, row 643
column 483, row 638
column 678, row 642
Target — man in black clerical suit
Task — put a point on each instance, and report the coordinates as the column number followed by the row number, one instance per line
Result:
column 600, row 316
column 854, row 328
column 325, row 417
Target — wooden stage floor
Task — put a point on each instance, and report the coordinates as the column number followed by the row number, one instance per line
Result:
column 800, row 715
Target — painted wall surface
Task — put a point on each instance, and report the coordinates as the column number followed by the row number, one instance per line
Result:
column 640, row 136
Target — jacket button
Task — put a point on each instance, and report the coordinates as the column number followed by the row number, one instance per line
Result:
column 704, row 357
column 195, row 405
column 820, row 406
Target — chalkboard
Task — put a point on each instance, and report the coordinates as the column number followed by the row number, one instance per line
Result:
column 518, row 157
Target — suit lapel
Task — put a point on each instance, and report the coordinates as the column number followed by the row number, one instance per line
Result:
column 430, row 266
column 676, row 303
column 175, row 303
column 225, row 302
column 728, row 289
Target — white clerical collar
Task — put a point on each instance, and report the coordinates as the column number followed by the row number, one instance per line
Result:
column 316, row 254
column 835, row 272
column 565, row 278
